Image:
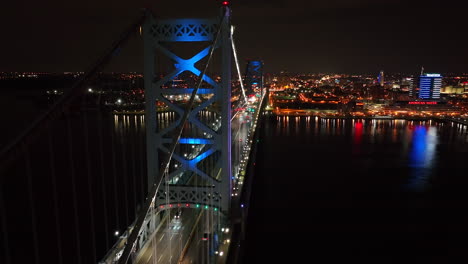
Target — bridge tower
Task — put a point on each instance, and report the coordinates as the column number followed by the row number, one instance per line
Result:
column 254, row 76
column 199, row 172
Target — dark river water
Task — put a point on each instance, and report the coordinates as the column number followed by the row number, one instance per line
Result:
column 325, row 191
column 353, row 191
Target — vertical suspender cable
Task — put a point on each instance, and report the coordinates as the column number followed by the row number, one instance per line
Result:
column 103, row 183
column 90, row 188
column 31, row 202
column 168, row 232
column 3, row 214
column 210, row 221
column 155, row 244
column 125, row 170
column 141, row 157
column 134, row 175
column 218, row 205
column 133, row 132
column 114, row 172
column 54, row 186
column 74, row 195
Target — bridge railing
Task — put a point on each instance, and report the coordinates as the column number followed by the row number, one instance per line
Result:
column 146, row 232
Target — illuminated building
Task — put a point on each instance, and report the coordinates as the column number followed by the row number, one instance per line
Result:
column 284, row 79
column 407, row 84
column 381, row 78
column 429, row 86
column 453, row 89
column 414, row 88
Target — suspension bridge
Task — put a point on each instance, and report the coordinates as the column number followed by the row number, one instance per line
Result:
column 164, row 179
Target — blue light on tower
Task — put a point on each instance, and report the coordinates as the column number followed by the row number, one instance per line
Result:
column 429, row 86
column 254, row 75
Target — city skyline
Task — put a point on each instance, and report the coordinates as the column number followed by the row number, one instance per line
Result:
column 296, row 36
column 351, row 113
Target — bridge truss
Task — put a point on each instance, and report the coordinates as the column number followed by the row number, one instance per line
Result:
column 189, row 159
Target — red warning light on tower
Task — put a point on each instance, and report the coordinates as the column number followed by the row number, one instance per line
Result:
column 225, row 3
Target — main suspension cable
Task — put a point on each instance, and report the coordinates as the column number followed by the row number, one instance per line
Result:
column 237, row 64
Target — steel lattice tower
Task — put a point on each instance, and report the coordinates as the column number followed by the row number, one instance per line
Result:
column 212, row 140
column 254, row 76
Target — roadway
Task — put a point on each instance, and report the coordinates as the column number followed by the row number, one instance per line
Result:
column 169, row 239
column 173, row 236
column 201, row 249
column 240, row 130
column 181, row 240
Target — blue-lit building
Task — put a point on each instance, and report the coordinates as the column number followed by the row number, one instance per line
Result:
column 380, row 78
column 429, row 86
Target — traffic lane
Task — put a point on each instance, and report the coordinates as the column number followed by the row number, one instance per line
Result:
column 238, row 146
column 193, row 252
column 166, row 236
column 199, row 249
column 160, row 239
column 146, row 251
column 173, row 239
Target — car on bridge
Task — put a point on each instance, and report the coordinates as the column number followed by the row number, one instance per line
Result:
column 178, row 214
column 213, row 246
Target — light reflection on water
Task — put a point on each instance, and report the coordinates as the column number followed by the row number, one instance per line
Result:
column 422, row 156
column 389, row 189
column 408, row 146
column 413, row 143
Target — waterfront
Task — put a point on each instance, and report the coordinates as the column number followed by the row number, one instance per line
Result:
column 357, row 189
column 380, row 191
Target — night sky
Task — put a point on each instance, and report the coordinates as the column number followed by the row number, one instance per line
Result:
column 346, row 36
